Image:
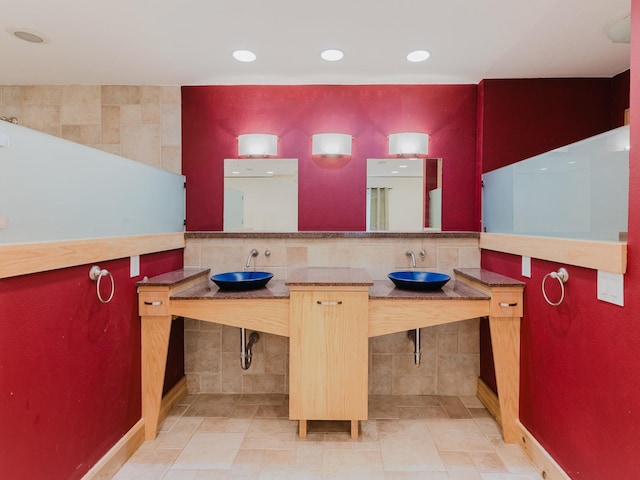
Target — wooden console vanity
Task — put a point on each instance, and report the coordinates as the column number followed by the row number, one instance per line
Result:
column 328, row 315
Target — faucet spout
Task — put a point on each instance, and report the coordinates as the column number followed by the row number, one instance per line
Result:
column 252, row 253
column 413, row 258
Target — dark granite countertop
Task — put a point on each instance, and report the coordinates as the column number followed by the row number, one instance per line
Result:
column 488, row 278
column 386, row 290
column 210, row 291
column 379, row 290
column 174, row 278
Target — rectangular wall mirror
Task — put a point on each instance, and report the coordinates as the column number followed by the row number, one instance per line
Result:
column 396, row 199
column 260, row 195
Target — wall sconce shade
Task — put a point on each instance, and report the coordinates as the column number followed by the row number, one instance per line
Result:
column 331, row 144
column 257, row 145
column 4, row 140
column 409, row 144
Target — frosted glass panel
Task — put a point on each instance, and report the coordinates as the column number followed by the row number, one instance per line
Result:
column 52, row 189
column 577, row 191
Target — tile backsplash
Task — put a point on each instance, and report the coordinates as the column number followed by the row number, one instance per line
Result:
column 450, row 353
column 139, row 122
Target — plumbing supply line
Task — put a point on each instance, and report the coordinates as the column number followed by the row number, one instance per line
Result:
column 414, row 335
column 245, row 348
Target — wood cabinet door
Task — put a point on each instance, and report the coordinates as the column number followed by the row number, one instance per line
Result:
column 329, row 351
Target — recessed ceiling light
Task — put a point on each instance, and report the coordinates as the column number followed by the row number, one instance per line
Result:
column 244, row 55
column 395, row 171
column 28, row 35
column 418, row 56
column 332, row 55
column 404, row 166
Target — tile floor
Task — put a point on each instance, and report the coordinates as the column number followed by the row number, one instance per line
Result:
column 211, row 437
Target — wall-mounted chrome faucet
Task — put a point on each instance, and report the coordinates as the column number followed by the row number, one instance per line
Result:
column 413, row 258
column 252, row 253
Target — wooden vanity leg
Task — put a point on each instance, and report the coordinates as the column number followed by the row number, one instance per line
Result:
column 303, row 428
column 354, row 428
column 155, row 346
column 505, row 341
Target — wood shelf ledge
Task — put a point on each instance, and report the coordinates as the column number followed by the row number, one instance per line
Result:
column 607, row 256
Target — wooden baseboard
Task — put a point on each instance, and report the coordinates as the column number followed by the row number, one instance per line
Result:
column 544, row 463
column 172, row 397
column 489, row 400
column 113, row 460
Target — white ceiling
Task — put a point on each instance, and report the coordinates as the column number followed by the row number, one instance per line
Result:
column 189, row 42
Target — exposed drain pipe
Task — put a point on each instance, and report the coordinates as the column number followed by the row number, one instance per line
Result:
column 245, row 348
column 414, row 336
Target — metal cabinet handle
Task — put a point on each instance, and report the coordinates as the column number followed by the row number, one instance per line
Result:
column 329, row 303
column 155, row 304
column 505, row 304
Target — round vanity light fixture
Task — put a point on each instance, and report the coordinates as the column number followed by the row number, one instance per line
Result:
column 28, row 35
column 418, row 56
column 244, row 55
column 332, row 55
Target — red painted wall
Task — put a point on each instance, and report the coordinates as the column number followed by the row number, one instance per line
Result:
column 69, row 367
column 525, row 117
column 580, row 367
column 329, row 198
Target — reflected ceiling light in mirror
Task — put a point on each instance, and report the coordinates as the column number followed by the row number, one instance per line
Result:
column 331, row 145
column 409, row 144
column 257, row 145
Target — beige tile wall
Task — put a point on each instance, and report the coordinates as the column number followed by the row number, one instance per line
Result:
column 142, row 123
column 450, row 353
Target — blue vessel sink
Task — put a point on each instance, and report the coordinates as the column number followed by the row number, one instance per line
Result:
column 239, row 281
column 421, row 281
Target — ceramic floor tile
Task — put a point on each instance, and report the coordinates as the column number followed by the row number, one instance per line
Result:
column 417, row 476
column 339, row 464
column 488, row 463
column 248, row 462
column 249, row 437
column 459, row 436
column 416, row 400
column 147, row 465
column 263, row 399
column 454, row 407
column 275, row 473
column 509, row 476
column 460, row 466
column 212, row 405
column 512, row 457
column 208, row 450
column 309, row 455
column 408, row 446
column 180, row 475
column 421, row 412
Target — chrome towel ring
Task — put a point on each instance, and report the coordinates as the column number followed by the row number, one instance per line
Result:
column 96, row 273
column 563, row 277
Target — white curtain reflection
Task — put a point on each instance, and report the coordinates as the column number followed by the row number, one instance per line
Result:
column 379, row 208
